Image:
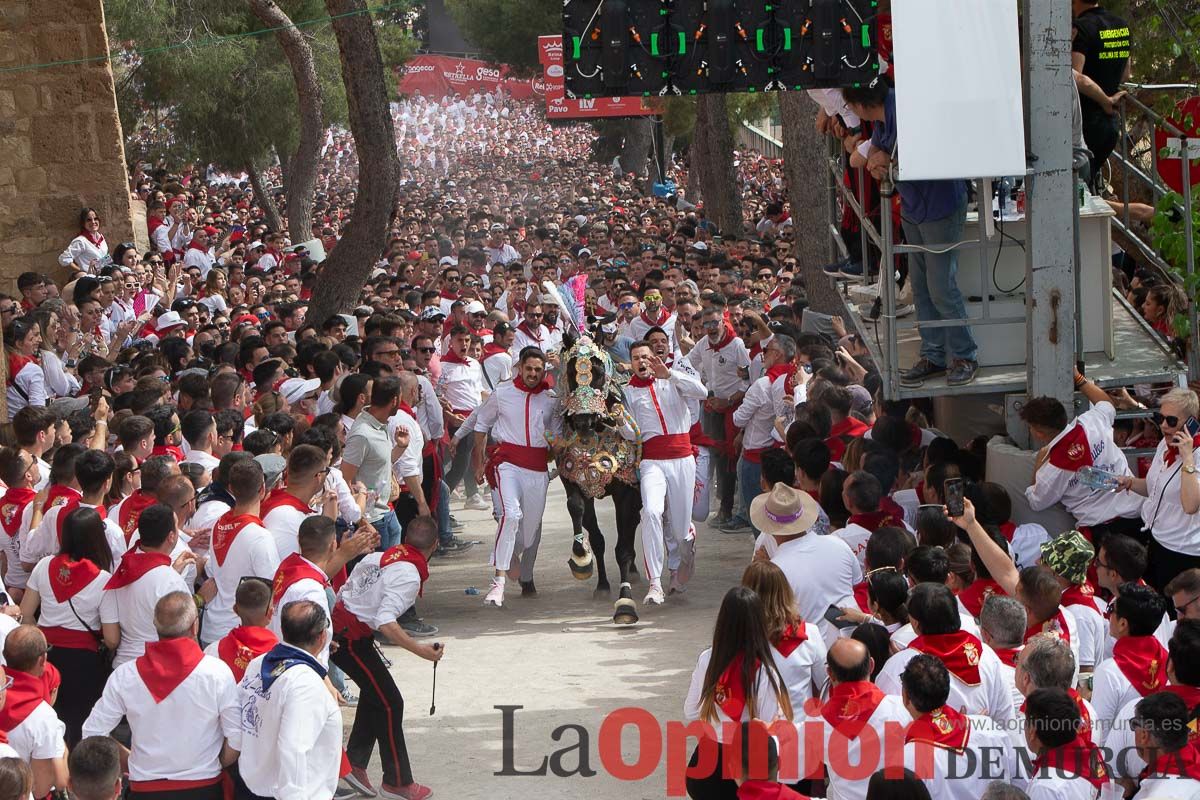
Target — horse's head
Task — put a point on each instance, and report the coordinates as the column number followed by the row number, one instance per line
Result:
column 585, row 376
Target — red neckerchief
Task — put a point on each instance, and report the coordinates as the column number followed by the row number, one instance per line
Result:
column 242, row 645
column 1007, row 655
column 68, row 578
column 95, row 238
column 407, row 409
column 1183, row 763
column 862, row 597
column 449, row 295
column 57, row 495
column 1169, row 454
column 1143, row 662
column 848, row 427
column 639, row 382
column 774, row 372
column 520, row 384
column 792, row 637
column 227, row 529
column 1056, row 625
column 767, row 790
column 452, row 357
column 292, row 569
column 1080, row 595
column 850, row 707
column 193, row 246
column 408, row 555
column 26, row 694
column 12, row 507
column 943, row 727
column 974, row 596
column 492, row 349
column 1008, row 530
column 726, row 339
column 18, row 362
column 524, row 326
column 279, row 497
column 131, row 511
column 960, row 652
column 1073, row 451
column 172, row 450
column 920, row 490
column 729, row 692
column 755, row 350
column 874, row 520
column 1079, row 757
column 663, row 316
column 134, row 564
column 166, row 664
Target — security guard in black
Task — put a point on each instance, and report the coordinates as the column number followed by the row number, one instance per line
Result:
column 1102, row 43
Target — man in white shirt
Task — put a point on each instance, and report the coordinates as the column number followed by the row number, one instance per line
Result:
column 968, row 751
column 146, row 574
column 382, row 587
column 1067, row 448
column 976, row 684
column 408, row 469
column 497, row 356
column 460, row 385
column 34, row 428
column 1046, row 662
column 1068, row 766
column 199, row 429
column 28, row 718
column 1069, row 555
column 530, row 332
column 657, row 399
column 241, row 547
column 821, row 569
column 1139, row 663
column 723, row 363
column 653, row 316
column 287, row 506
column 1002, row 628
column 291, row 734
column 182, row 708
column 199, row 252
column 855, row 721
column 214, row 501
column 1160, row 733
column 92, row 477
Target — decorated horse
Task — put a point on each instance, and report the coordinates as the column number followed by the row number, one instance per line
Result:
column 595, row 461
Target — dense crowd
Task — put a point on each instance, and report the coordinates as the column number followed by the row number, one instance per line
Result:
column 216, row 508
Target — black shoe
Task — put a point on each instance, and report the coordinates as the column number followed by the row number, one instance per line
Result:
column 918, row 372
column 528, row 589
column 453, row 546
column 418, row 629
column 961, row 372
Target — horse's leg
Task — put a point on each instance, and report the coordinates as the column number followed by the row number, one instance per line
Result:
column 629, row 506
column 596, row 540
column 580, row 561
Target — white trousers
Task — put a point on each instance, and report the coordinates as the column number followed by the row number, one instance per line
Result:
column 522, row 496
column 667, row 490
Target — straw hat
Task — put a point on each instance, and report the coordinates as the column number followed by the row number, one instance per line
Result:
column 784, row 511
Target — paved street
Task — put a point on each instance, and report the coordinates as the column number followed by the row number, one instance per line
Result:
column 559, row 656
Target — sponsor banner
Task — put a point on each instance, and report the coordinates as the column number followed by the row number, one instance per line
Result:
column 553, row 86
column 445, row 76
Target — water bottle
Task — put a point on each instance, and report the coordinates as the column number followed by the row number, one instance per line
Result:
column 1097, row 480
column 1006, row 203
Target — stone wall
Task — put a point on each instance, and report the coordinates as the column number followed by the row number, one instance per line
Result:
column 60, row 136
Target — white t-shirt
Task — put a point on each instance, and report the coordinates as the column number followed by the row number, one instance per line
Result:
column 822, row 572
column 86, row 601
column 252, row 553
column 379, row 596
column 133, row 607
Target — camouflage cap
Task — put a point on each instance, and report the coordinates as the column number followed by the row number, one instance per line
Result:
column 1069, row 555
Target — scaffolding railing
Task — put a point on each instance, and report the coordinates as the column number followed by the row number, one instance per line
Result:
column 1123, row 163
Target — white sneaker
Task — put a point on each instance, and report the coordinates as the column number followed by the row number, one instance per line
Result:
column 676, row 586
column 495, row 597
column 655, row 596
column 476, row 503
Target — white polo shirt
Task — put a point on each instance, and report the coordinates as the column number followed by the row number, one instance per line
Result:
column 291, row 737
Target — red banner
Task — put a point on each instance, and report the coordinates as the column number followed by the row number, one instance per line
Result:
column 554, row 87
column 444, row 76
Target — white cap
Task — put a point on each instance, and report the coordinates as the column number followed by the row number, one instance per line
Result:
column 256, row 244
column 476, row 307
column 450, row 261
column 171, row 319
column 700, row 246
column 294, row 389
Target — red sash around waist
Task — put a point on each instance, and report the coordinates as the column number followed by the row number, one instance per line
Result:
column 667, row 446
column 71, row 639
column 347, row 625
column 531, row 458
column 168, row 785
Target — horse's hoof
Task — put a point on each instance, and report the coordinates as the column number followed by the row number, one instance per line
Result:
column 581, row 568
column 625, row 609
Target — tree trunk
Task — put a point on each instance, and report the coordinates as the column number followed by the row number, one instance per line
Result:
column 804, row 158
column 719, row 178
column 274, row 221
column 301, row 166
column 639, row 133
column 349, row 265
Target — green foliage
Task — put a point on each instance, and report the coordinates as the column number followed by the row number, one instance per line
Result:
column 506, row 31
column 229, row 101
column 1166, row 38
column 679, row 113
column 1169, row 235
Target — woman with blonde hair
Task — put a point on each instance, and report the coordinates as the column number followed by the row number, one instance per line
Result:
column 796, row 645
column 735, row 681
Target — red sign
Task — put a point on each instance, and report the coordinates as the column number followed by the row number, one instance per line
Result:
column 443, row 76
column 1170, row 168
column 554, row 87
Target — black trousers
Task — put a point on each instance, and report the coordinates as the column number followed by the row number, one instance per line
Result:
column 405, row 508
column 379, row 717
column 1165, row 564
column 83, row 679
column 712, row 786
column 1129, row 526
column 214, row 792
column 1100, row 135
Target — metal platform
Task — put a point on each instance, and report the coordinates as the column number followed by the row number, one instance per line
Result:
column 1141, row 356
